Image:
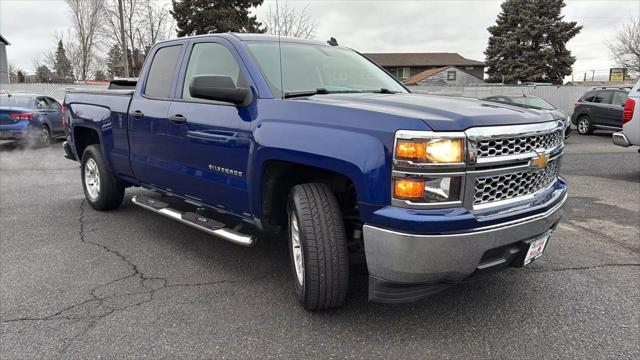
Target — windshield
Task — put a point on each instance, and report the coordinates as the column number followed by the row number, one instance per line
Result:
column 17, row 101
column 307, row 68
column 534, row 102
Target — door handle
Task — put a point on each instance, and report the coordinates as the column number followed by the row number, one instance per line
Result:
column 178, row 119
column 137, row 114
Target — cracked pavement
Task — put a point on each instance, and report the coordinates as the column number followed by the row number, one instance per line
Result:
column 76, row 283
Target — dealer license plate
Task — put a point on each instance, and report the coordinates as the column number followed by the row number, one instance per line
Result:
column 536, row 248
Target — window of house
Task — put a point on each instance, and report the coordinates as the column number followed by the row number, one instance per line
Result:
column 451, row 75
column 161, row 72
column 405, row 72
column 211, row 59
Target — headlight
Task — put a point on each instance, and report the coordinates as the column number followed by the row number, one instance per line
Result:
column 435, row 151
column 436, row 189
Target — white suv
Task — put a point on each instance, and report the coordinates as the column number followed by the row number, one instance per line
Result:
column 630, row 134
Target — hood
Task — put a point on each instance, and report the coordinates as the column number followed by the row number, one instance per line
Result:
column 440, row 113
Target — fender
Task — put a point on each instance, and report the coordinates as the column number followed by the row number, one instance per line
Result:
column 94, row 117
column 361, row 157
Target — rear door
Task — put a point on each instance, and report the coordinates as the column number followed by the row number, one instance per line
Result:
column 55, row 115
column 614, row 115
column 149, row 128
column 210, row 141
column 600, row 107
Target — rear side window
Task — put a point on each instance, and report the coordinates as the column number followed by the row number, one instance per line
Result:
column 211, row 59
column 161, row 72
column 619, row 98
column 588, row 97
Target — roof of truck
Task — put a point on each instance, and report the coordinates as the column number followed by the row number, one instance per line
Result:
column 253, row 37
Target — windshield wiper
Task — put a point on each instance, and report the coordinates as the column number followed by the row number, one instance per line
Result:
column 381, row 91
column 318, row 91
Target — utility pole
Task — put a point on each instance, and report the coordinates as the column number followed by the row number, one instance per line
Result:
column 593, row 74
column 124, row 41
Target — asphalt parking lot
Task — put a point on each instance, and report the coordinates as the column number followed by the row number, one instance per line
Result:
column 76, row 283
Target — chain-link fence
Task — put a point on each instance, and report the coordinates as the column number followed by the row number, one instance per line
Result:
column 562, row 97
column 55, row 91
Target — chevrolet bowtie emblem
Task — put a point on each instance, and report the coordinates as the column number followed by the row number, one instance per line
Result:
column 540, row 161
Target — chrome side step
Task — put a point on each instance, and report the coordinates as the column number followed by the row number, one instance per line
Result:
column 194, row 220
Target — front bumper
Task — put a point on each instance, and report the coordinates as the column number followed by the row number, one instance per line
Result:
column 620, row 139
column 406, row 267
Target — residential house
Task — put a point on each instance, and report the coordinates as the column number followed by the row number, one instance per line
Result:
column 447, row 75
column 4, row 65
column 406, row 65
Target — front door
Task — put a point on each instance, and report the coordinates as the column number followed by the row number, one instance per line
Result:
column 55, row 116
column 614, row 115
column 212, row 139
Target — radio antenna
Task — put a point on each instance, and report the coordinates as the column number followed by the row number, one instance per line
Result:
column 279, row 51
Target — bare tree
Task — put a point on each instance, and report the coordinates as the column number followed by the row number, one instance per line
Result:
column 145, row 23
column 88, row 21
column 625, row 47
column 290, row 21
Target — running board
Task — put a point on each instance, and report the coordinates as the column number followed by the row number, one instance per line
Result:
column 194, row 220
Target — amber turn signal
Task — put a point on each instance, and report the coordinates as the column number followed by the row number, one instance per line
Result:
column 408, row 189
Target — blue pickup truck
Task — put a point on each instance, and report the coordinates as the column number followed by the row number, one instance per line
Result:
column 242, row 134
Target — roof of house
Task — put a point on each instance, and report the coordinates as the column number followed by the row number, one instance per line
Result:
column 422, row 59
column 429, row 73
column 3, row 40
column 423, row 75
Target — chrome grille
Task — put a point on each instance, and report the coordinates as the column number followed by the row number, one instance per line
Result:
column 509, row 186
column 517, row 145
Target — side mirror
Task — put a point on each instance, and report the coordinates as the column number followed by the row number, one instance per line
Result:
column 219, row 88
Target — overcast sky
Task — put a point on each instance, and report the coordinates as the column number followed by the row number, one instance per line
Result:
column 368, row 26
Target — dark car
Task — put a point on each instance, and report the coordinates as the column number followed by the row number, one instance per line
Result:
column 533, row 102
column 600, row 109
column 27, row 117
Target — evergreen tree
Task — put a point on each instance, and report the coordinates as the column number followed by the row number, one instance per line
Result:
column 528, row 42
column 114, row 62
column 195, row 17
column 43, row 74
column 20, row 76
column 62, row 64
column 99, row 76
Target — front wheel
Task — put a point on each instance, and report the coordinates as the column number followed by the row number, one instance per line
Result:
column 584, row 125
column 317, row 247
column 102, row 190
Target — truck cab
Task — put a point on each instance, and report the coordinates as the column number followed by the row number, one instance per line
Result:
column 316, row 143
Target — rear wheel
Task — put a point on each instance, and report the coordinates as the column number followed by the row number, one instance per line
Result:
column 101, row 189
column 45, row 136
column 584, row 125
column 317, row 247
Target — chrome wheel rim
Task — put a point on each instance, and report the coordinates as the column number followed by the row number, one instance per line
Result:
column 583, row 126
column 296, row 249
column 92, row 179
column 44, row 135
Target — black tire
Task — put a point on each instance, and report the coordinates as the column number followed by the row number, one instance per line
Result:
column 323, row 244
column 110, row 191
column 45, row 136
column 586, row 128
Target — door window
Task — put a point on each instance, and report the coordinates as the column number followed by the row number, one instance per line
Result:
column 161, row 72
column 602, row 97
column 53, row 104
column 619, row 98
column 41, row 103
column 211, row 59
